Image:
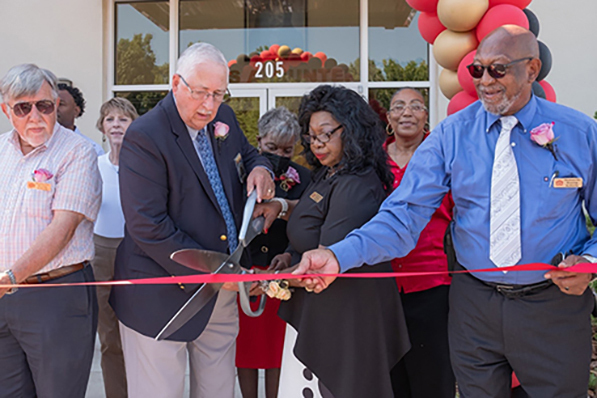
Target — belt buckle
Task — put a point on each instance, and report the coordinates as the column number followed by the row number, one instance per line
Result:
column 509, row 291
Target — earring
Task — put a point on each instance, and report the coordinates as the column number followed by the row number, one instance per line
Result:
column 389, row 130
column 427, row 127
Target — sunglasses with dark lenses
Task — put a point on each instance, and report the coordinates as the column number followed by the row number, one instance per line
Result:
column 22, row 109
column 497, row 71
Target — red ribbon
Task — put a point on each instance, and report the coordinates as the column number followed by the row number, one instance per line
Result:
column 588, row 268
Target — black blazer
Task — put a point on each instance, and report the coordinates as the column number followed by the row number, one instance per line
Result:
column 168, row 205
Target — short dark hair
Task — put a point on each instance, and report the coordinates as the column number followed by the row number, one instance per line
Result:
column 363, row 134
column 76, row 94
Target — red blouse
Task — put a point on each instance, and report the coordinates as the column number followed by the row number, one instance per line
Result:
column 429, row 254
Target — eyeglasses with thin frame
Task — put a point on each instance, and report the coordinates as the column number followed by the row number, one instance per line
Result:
column 22, row 109
column 202, row 95
column 323, row 137
column 497, row 71
column 415, row 108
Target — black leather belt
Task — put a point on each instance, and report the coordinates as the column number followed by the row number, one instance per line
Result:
column 516, row 291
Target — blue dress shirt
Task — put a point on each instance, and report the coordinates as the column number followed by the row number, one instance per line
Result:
column 458, row 156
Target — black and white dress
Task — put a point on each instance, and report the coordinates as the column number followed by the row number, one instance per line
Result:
column 343, row 342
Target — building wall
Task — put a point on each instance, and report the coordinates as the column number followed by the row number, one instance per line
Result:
column 569, row 30
column 64, row 36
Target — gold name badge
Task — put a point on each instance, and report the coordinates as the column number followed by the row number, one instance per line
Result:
column 42, row 186
column 567, row 183
column 316, row 196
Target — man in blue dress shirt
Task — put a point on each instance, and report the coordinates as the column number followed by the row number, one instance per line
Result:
column 536, row 324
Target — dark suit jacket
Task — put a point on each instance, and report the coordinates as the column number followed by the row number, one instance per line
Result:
column 168, row 205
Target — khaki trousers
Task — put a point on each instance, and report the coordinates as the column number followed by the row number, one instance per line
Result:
column 157, row 368
column 112, row 359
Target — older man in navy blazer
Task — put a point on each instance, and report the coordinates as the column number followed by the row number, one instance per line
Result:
column 183, row 171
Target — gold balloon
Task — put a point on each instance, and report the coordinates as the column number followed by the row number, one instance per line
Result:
column 450, row 47
column 461, row 15
column 448, row 83
column 284, row 51
column 297, row 51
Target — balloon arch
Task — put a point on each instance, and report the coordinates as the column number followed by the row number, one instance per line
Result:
column 455, row 28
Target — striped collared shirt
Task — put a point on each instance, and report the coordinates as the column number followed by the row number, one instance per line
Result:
column 27, row 208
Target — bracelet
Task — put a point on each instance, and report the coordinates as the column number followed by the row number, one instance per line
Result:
column 284, row 204
column 13, row 281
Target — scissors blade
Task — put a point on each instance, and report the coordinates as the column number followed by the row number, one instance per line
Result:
column 201, row 260
column 202, row 296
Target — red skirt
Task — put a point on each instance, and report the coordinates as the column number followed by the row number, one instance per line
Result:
column 260, row 340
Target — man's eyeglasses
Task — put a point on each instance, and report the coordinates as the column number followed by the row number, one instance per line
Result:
column 497, row 71
column 202, row 95
column 22, row 109
column 416, row 108
column 323, row 137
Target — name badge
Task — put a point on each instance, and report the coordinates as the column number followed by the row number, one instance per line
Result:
column 240, row 168
column 573, row 182
column 316, row 197
column 42, row 186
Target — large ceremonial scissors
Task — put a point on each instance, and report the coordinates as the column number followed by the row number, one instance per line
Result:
column 217, row 263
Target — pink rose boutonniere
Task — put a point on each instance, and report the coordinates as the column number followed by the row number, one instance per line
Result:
column 221, row 131
column 543, row 135
column 40, row 179
column 42, row 175
column 289, row 179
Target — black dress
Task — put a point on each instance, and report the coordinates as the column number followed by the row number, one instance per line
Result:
column 353, row 333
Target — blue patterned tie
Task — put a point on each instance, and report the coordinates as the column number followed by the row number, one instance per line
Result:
column 209, row 164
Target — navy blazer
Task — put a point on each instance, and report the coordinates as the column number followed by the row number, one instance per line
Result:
column 168, row 205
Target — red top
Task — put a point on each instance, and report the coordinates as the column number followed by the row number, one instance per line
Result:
column 429, row 254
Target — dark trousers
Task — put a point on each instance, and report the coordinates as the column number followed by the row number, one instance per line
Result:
column 46, row 339
column 544, row 337
column 425, row 371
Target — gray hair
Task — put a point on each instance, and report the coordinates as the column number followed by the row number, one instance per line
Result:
column 25, row 81
column 197, row 54
column 280, row 124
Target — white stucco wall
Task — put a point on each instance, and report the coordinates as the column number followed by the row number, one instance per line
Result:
column 569, row 29
column 63, row 36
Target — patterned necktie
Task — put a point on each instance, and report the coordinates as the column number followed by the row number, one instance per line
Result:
column 504, row 247
column 211, row 169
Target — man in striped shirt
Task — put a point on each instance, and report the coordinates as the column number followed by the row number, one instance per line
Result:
column 50, row 192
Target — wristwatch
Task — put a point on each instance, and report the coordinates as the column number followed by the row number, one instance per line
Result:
column 284, row 204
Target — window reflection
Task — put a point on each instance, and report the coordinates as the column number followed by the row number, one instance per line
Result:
column 397, row 52
column 142, row 43
column 278, row 40
column 247, row 113
column 143, row 101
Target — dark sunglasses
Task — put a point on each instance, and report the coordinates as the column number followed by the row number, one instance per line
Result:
column 22, row 109
column 497, row 71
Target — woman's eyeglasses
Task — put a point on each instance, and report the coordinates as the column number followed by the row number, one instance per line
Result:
column 497, row 71
column 416, row 108
column 323, row 137
column 22, row 109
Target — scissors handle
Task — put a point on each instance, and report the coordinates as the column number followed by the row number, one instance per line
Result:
column 245, row 301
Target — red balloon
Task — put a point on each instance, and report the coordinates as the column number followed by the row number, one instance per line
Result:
column 424, row 5
column 266, row 55
column 430, row 26
column 274, row 49
column 255, row 59
column 460, row 101
column 306, row 55
column 464, row 77
column 321, row 55
column 550, row 93
column 231, row 62
column 518, row 3
column 504, row 14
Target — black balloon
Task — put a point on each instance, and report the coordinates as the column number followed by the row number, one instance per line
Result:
column 545, row 57
column 538, row 90
column 533, row 21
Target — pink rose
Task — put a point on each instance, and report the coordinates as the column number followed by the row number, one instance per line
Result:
column 543, row 134
column 293, row 174
column 221, row 130
column 42, row 175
